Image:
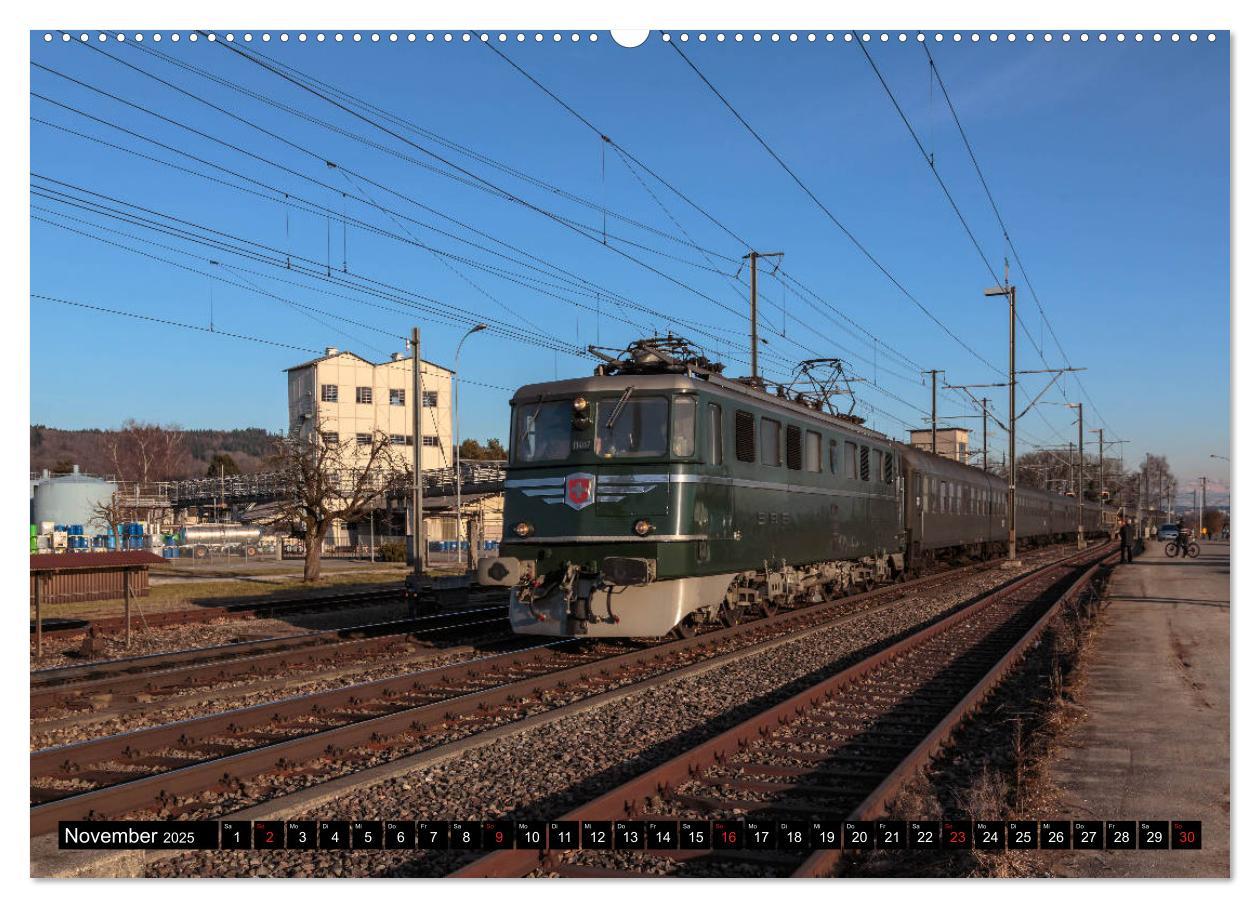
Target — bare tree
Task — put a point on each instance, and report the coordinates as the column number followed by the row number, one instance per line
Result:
column 111, row 512
column 331, row 479
column 146, row 452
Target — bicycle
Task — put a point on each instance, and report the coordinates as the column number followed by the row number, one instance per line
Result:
column 1172, row 549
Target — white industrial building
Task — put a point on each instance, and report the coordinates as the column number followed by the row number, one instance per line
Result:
column 345, row 396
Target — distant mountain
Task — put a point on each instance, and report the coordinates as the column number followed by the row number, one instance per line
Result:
column 59, row 449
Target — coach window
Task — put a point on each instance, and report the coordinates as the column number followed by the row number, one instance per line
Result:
column 683, row 442
column 850, row 460
column 715, row 434
column 771, row 456
column 813, row 451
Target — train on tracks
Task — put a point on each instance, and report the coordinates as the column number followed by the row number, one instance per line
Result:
column 658, row 496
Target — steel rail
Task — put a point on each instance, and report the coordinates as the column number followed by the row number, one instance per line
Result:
column 632, row 798
column 69, row 627
column 148, row 792
column 158, row 674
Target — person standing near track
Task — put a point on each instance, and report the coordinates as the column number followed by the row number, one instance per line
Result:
column 1126, row 541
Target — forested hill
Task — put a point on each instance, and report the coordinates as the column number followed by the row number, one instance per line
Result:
column 189, row 456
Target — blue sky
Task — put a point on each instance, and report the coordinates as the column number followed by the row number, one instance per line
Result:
column 1109, row 163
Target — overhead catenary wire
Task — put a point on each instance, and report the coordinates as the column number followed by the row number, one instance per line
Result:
column 325, row 263
column 862, row 248
column 1006, row 234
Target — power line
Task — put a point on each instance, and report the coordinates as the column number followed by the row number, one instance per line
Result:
column 621, row 149
column 1006, row 234
column 830, row 216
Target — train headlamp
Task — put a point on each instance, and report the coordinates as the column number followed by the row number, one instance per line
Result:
column 643, row 527
column 524, row 528
column 579, row 404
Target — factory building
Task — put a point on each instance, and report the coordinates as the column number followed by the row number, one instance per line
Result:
column 951, row 442
column 347, row 397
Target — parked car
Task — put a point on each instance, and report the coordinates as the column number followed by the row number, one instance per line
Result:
column 1167, row 532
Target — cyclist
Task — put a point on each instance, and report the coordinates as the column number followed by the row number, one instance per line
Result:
column 1183, row 539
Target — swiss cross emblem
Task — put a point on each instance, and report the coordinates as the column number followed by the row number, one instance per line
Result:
column 579, row 490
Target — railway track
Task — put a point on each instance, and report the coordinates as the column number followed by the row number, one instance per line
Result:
column 838, row 751
column 274, row 608
column 255, row 753
column 119, row 683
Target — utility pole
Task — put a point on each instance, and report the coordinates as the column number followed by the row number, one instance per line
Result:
column 984, row 409
column 933, row 373
column 1008, row 290
column 1202, row 502
column 419, row 549
column 1080, row 474
column 752, row 264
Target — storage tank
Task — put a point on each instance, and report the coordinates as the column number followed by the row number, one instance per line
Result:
column 219, row 534
column 70, row 499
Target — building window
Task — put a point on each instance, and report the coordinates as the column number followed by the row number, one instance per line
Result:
column 771, row 429
column 363, row 439
column 330, row 438
column 400, row 439
column 431, row 441
column 430, row 398
column 397, row 397
column 362, row 395
column 328, row 393
column 745, row 437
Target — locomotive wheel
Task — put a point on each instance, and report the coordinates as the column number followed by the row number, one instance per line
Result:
column 731, row 615
column 767, row 608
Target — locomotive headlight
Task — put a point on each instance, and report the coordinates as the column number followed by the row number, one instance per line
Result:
column 579, row 404
column 643, row 527
column 524, row 528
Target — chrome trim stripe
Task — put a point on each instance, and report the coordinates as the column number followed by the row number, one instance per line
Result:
column 556, row 481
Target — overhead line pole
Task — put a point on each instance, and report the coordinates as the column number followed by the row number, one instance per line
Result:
column 1008, row 290
column 752, row 257
column 419, row 549
column 933, row 373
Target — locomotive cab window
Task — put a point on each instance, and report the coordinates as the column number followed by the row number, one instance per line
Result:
column 542, row 431
column 715, row 434
column 632, row 426
column 771, row 429
column 683, row 443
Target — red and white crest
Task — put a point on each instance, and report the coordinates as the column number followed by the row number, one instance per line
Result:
column 579, row 490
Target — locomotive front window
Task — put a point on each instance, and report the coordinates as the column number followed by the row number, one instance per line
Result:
column 640, row 429
column 542, row 431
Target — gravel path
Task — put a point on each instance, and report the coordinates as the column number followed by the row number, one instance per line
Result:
column 547, row 770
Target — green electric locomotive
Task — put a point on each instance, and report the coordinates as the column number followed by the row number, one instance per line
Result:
column 657, row 496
